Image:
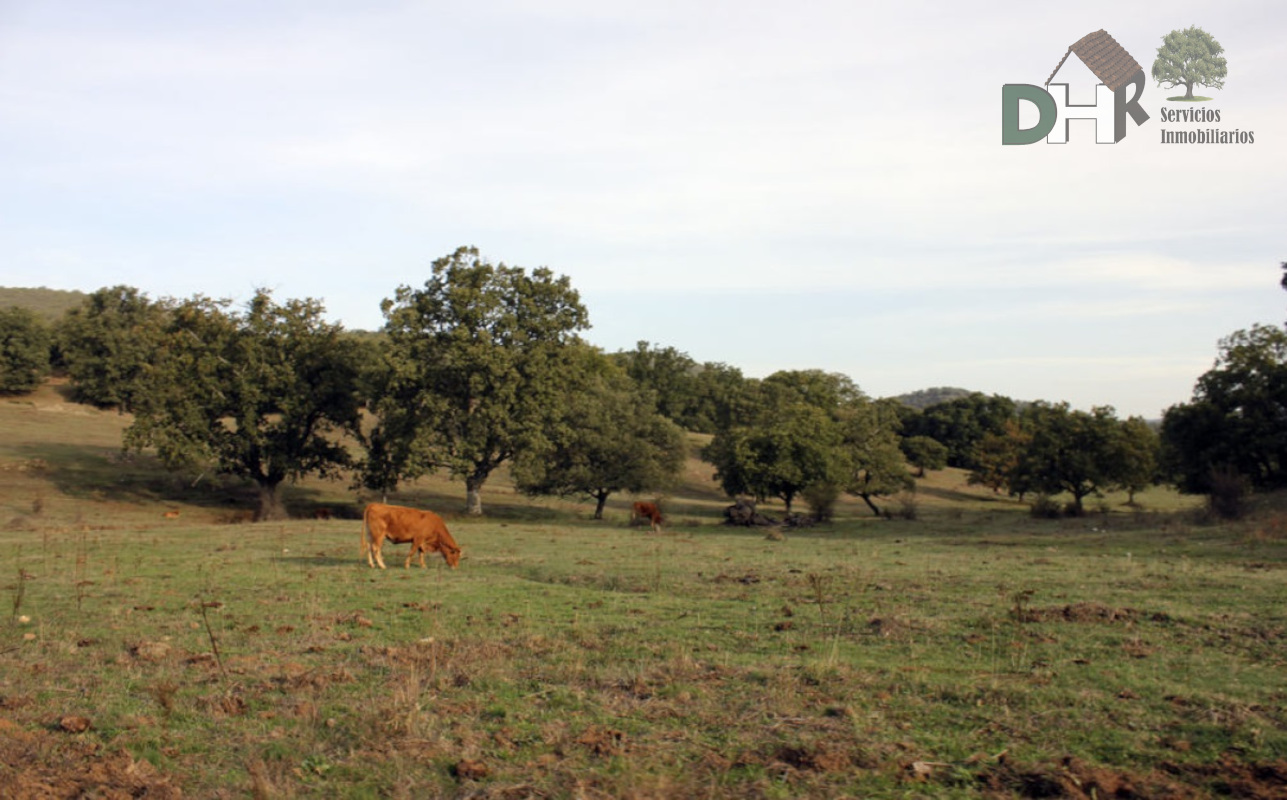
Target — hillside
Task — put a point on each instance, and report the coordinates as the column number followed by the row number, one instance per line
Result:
column 924, row 398
column 50, row 304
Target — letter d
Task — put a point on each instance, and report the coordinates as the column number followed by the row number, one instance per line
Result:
column 1011, row 94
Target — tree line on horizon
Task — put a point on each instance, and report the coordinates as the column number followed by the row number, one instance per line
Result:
column 484, row 365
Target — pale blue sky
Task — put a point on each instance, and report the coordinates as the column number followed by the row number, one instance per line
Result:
column 771, row 185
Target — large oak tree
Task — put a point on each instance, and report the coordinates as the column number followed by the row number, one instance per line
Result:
column 263, row 394
column 477, row 358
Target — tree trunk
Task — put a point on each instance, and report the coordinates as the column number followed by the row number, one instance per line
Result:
column 270, row 504
column 1188, row 91
column 474, row 495
column 867, row 499
column 602, row 497
column 1077, row 507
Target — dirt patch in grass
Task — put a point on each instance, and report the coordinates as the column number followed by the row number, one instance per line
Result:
column 1086, row 612
column 57, row 764
column 1078, row 780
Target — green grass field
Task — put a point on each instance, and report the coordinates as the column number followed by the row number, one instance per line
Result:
column 971, row 652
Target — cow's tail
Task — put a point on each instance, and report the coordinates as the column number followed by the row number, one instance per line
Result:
column 366, row 540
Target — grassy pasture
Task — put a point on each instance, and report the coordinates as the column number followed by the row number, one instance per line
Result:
column 971, row 652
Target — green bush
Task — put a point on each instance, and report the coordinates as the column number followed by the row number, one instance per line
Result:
column 1227, row 493
column 821, row 499
column 1045, row 507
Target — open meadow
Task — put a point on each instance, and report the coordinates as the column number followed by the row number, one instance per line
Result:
column 972, row 651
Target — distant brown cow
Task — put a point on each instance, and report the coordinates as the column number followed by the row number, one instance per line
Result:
column 424, row 529
column 648, row 511
column 171, row 514
column 322, row 513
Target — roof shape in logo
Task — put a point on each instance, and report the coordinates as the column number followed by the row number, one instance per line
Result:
column 1103, row 56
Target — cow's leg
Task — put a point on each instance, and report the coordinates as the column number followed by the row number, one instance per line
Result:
column 410, row 553
column 378, row 547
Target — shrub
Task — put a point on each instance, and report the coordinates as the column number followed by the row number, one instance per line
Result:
column 908, row 508
column 1227, row 493
column 821, row 499
column 1045, row 507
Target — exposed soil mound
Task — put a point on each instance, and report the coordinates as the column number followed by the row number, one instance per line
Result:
column 1087, row 612
column 1077, row 780
column 49, row 764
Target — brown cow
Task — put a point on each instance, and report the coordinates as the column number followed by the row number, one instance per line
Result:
column 649, row 511
column 424, row 529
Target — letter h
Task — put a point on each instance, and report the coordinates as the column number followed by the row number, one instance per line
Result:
column 1103, row 112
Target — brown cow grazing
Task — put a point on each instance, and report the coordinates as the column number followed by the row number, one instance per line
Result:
column 646, row 511
column 322, row 513
column 424, row 529
column 171, row 514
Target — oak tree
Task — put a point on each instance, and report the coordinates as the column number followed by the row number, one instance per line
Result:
column 1236, row 422
column 607, row 437
column 1190, row 57
column 24, row 350
column 263, row 394
column 478, row 355
column 107, row 342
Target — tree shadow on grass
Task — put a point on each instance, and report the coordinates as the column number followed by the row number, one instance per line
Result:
column 98, row 473
column 957, row 496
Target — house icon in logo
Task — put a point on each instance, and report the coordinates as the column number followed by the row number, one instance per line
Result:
column 1106, row 58
column 1116, row 70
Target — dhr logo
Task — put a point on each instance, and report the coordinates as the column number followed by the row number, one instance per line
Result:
column 1111, row 64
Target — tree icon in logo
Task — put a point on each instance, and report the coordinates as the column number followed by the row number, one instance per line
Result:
column 1187, row 57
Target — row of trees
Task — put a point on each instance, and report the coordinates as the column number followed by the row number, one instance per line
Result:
column 484, row 366
column 808, row 434
column 480, row 367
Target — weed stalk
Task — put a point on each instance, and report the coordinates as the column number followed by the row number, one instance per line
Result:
column 214, row 642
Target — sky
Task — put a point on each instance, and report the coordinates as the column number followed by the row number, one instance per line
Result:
column 771, row 185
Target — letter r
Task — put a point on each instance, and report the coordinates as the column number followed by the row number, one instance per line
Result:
column 1121, row 106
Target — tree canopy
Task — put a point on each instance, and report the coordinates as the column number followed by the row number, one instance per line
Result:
column 607, row 437
column 257, row 394
column 961, row 423
column 803, row 429
column 874, row 463
column 697, row 397
column 478, row 357
column 1190, row 57
column 924, row 453
column 1070, row 451
column 24, row 350
column 105, row 344
column 1237, row 419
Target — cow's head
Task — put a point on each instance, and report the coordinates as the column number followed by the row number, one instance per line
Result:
column 452, row 555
